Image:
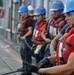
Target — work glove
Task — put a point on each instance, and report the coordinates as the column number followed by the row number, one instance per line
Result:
column 43, row 62
column 31, row 68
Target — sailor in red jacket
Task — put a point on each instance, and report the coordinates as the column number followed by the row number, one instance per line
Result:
column 37, row 37
column 54, row 24
column 25, row 34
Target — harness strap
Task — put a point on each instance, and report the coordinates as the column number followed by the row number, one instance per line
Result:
column 65, row 42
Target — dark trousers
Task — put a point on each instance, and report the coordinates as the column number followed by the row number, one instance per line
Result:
column 25, row 50
column 40, row 55
column 47, row 50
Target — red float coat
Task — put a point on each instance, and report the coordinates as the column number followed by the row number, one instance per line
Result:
column 55, row 26
column 37, row 35
column 65, row 46
column 23, row 27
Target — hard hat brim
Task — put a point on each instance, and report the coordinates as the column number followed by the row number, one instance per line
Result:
column 36, row 14
column 22, row 11
column 53, row 9
column 65, row 12
column 19, row 11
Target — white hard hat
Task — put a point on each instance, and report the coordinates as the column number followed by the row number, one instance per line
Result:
column 30, row 7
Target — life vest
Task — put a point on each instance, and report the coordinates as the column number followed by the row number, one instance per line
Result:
column 23, row 26
column 37, row 35
column 65, row 47
column 55, row 26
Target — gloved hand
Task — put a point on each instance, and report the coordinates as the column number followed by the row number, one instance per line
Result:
column 43, row 62
column 31, row 68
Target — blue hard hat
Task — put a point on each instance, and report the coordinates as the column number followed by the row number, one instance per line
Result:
column 69, row 6
column 23, row 8
column 57, row 5
column 40, row 10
